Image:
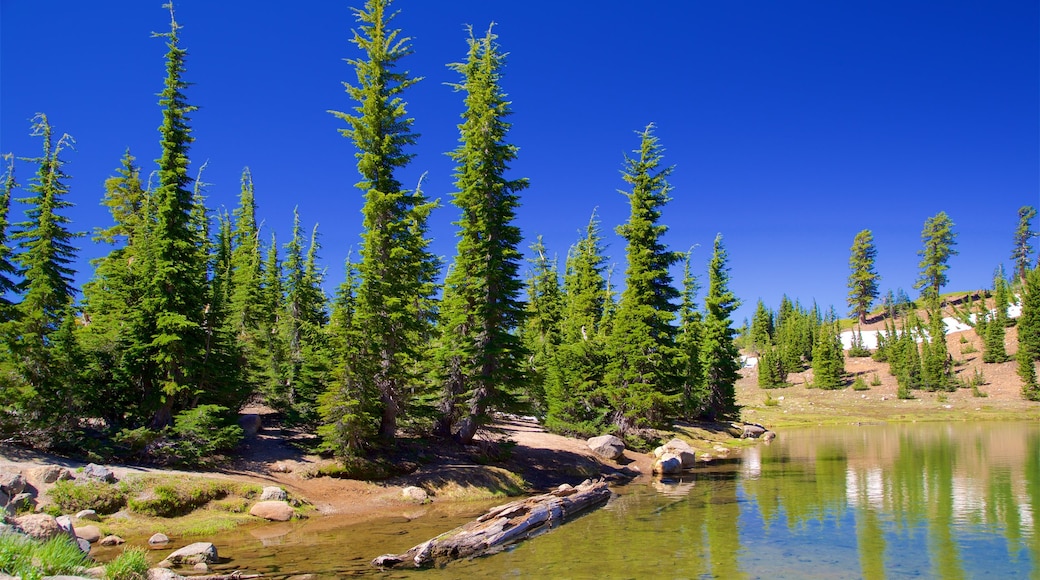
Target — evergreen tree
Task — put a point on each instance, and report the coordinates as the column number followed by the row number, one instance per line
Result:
column 993, row 350
column 828, row 358
column 938, row 238
column 641, row 378
column 1027, row 372
column 479, row 320
column 574, row 400
column 245, row 308
column 540, row 333
column 771, row 371
column 396, row 270
column 1024, row 235
column 691, row 375
column 936, row 364
column 719, row 355
column 762, row 329
column 177, row 281
column 1029, row 321
column 8, row 270
column 302, row 327
column 47, row 291
column 863, row 281
column 272, row 340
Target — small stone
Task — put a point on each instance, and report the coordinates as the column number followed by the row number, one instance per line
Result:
column 112, row 540
column 276, row 511
column 89, row 533
column 84, row 546
column 51, row 473
column 12, row 483
column 89, row 515
column 200, row 567
column 99, row 473
column 415, row 493
column 23, row 502
column 607, row 446
column 158, row 538
column 194, row 553
column 273, row 493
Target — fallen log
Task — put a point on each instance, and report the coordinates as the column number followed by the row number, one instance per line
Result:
column 502, row 526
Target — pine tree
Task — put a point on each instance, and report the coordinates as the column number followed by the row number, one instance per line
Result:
column 863, row 281
column 540, row 333
column 8, row 270
column 484, row 278
column 828, row 358
column 719, row 355
column 762, row 329
column 245, row 305
column 641, row 380
column 574, row 402
column 936, row 364
column 771, row 371
column 688, row 341
column 938, row 238
column 177, row 284
column 1024, row 235
column 396, row 270
column 1029, row 321
column 272, row 344
column 993, row 350
column 47, row 291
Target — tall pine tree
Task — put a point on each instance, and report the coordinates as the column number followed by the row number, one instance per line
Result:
column 1024, row 235
column 863, row 281
column 479, row 320
column 719, row 354
column 938, row 238
column 396, row 269
column 641, row 382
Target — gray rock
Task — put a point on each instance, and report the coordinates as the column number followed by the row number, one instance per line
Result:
column 415, row 493
column 251, row 424
column 4, row 498
column 99, row 472
column 12, row 483
column 65, row 523
column 276, row 511
column 163, row 574
column 607, row 446
column 200, row 567
column 752, row 431
column 273, row 493
column 84, row 546
column 158, row 539
column 112, row 540
column 194, row 553
column 768, row 436
column 89, row 515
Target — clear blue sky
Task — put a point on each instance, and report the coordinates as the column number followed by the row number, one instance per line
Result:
column 792, row 125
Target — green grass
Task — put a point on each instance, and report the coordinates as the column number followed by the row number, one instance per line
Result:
column 104, row 498
column 31, row 559
column 132, row 564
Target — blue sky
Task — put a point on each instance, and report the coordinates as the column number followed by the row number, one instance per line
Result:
column 792, row 125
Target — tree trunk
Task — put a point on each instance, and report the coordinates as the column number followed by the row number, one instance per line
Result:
column 502, row 526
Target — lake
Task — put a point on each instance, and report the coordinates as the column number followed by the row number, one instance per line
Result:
column 951, row 500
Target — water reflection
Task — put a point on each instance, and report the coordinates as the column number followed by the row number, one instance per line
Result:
column 937, row 501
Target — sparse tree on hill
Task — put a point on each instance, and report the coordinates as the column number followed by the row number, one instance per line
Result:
column 938, row 238
column 1024, row 235
column 863, row 281
column 828, row 358
column 994, row 329
column 762, row 329
column 396, row 269
column 640, row 379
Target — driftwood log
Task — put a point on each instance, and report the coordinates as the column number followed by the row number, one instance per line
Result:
column 501, row 526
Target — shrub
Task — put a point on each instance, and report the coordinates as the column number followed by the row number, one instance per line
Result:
column 132, row 564
column 968, row 349
column 171, row 500
column 204, row 431
column 859, row 384
column 73, row 496
column 976, row 392
column 875, row 381
column 771, row 402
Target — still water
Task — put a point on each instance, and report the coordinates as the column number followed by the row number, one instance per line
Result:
column 955, row 500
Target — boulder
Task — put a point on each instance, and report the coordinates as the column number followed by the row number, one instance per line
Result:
column 39, row 526
column 163, row 574
column 50, row 473
column 273, row 493
column 12, row 483
column 752, row 431
column 687, row 455
column 276, row 511
column 668, row 464
column 250, row 424
column 88, row 515
column 607, row 446
column 112, row 540
column 89, row 533
column 99, row 473
column 4, row 499
column 415, row 493
column 84, row 546
column 200, row 567
column 65, row 523
column 194, row 553
column 768, row 436
column 158, row 539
